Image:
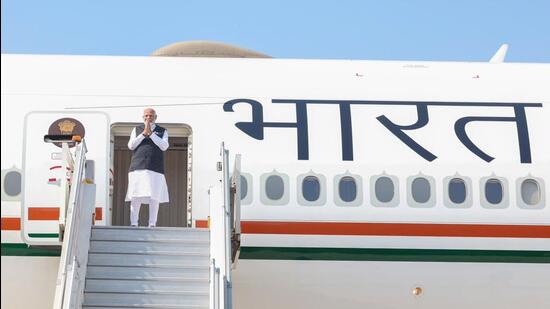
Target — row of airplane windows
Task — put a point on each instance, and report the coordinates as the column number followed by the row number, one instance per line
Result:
column 384, row 189
column 312, row 190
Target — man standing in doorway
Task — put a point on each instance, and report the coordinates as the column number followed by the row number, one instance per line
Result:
column 146, row 182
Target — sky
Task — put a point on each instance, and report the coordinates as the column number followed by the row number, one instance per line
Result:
column 440, row 30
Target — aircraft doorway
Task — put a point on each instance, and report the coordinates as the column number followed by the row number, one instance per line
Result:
column 176, row 158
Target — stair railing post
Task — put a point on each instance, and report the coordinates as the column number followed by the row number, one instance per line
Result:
column 227, row 209
column 228, row 300
column 218, row 290
column 222, row 227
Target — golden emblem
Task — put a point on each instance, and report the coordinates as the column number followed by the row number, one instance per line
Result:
column 66, row 126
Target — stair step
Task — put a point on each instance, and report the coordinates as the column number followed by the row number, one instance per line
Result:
column 145, row 300
column 148, row 260
column 191, row 287
column 157, row 273
column 156, row 228
column 148, row 307
column 101, row 246
column 150, row 234
column 161, row 267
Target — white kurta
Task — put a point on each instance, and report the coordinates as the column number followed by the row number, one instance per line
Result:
column 147, row 185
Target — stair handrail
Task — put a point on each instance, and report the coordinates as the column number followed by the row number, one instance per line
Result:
column 224, row 223
column 228, row 214
column 67, row 167
column 80, row 210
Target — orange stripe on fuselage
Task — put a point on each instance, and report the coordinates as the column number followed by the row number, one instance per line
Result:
column 98, row 213
column 43, row 213
column 396, row 229
column 52, row 213
column 11, row 224
column 392, row 229
column 201, row 223
column 40, row 214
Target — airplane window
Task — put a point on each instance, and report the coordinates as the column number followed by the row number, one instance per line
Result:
column 274, row 187
column 244, row 187
column 347, row 188
column 493, row 191
column 457, row 190
column 311, row 188
column 421, row 190
column 530, row 192
column 12, row 183
column 384, row 189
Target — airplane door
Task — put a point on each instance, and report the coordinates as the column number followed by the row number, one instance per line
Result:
column 42, row 172
column 236, row 193
column 173, row 213
column 236, row 208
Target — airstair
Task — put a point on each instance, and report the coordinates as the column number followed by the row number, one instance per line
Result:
column 147, row 267
column 138, row 267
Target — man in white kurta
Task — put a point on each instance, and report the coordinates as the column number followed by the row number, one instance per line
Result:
column 146, row 181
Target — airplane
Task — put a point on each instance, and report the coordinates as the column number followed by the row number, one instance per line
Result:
column 363, row 184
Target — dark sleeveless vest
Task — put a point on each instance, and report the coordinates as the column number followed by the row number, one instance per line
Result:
column 147, row 155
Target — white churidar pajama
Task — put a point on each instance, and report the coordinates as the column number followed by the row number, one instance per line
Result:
column 146, row 186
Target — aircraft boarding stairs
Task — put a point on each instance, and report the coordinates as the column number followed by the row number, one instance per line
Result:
column 148, row 267
column 138, row 267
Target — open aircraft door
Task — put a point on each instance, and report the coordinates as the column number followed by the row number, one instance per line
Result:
column 236, row 209
column 44, row 170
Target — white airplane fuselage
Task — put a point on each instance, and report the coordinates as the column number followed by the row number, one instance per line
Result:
column 370, row 184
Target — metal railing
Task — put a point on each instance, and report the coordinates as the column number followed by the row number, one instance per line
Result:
column 67, row 167
column 224, row 231
column 76, row 228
